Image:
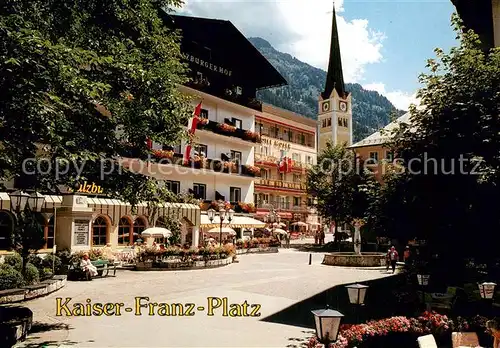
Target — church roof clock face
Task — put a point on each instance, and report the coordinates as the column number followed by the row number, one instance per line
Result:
column 325, row 107
column 343, row 106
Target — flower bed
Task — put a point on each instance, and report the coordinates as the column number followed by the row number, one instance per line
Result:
column 257, row 243
column 401, row 331
column 179, row 254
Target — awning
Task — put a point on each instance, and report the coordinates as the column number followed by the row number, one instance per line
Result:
column 4, row 201
column 237, row 222
column 281, row 213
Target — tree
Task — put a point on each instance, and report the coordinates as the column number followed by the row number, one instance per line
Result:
column 27, row 236
column 84, row 83
column 450, row 153
column 341, row 185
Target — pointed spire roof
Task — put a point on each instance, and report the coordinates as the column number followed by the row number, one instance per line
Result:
column 334, row 77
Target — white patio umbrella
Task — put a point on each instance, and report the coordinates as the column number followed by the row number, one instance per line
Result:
column 315, row 224
column 299, row 223
column 279, row 231
column 226, row 230
column 156, row 232
column 279, row 224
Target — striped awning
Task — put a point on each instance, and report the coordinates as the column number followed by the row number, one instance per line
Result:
column 237, row 222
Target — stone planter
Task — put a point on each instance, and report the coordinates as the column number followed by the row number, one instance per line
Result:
column 260, row 250
column 354, row 260
column 33, row 291
column 173, row 265
column 15, row 323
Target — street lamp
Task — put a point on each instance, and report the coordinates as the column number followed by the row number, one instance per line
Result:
column 36, row 201
column 423, row 281
column 19, row 200
column 327, row 323
column 357, row 293
column 487, row 290
column 223, row 215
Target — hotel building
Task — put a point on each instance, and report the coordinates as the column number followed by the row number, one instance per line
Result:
column 226, row 71
column 287, row 151
column 372, row 150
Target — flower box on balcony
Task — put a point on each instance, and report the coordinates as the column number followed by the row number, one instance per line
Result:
column 163, row 154
column 226, row 128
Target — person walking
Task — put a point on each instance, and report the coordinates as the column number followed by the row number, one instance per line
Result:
column 393, row 256
column 407, row 255
column 287, row 240
column 316, row 237
column 388, row 260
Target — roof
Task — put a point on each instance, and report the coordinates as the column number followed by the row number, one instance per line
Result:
column 334, row 76
column 229, row 47
column 378, row 138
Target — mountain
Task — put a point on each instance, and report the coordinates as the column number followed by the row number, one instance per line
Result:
column 370, row 109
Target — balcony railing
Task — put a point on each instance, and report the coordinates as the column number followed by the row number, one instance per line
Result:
column 229, row 130
column 281, row 184
column 263, row 204
column 216, row 165
column 262, row 159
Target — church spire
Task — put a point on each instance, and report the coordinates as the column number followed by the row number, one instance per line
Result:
column 334, row 77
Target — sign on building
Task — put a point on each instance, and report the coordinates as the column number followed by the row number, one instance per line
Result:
column 81, row 233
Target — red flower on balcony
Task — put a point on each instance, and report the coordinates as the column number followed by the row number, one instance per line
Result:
column 230, row 165
column 253, row 136
column 203, row 121
column 226, row 127
column 163, row 154
column 252, row 169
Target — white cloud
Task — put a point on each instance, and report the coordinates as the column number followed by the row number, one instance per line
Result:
column 401, row 100
column 298, row 28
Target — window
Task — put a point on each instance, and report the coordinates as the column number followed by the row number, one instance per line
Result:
column 200, row 191
column 296, row 201
column 389, row 156
column 282, row 176
column 139, row 226
column 328, row 122
column 264, row 174
column 236, row 157
column 237, row 123
column 124, row 231
column 296, row 157
column 201, row 150
column 174, row 148
column 309, row 159
column 173, row 186
column 6, row 226
column 49, row 237
column 296, row 178
column 204, row 113
column 235, row 194
column 373, row 158
column 290, row 135
column 99, row 231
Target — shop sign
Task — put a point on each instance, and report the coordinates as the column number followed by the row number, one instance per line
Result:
column 281, row 145
column 81, row 233
column 90, row 188
column 219, row 69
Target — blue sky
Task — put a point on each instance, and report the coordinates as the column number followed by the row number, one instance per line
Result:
column 384, row 44
column 412, row 29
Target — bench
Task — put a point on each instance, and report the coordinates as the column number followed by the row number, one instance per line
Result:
column 103, row 268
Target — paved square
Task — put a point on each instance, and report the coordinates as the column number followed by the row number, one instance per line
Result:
column 273, row 281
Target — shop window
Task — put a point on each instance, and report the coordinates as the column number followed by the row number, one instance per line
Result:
column 173, row 186
column 99, row 231
column 139, row 226
column 6, row 226
column 124, row 231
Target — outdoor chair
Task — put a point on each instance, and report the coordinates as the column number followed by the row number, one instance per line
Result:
column 427, row 341
column 464, row 339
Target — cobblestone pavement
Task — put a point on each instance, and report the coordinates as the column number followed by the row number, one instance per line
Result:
column 274, row 281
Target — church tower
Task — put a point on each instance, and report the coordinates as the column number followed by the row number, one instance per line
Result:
column 335, row 108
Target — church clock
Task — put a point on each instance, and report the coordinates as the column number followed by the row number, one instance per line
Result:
column 343, row 106
column 325, row 107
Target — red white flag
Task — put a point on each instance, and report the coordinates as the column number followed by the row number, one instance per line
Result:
column 187, row 154
column 193, row 121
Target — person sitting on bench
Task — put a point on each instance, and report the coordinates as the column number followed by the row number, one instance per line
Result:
column 87, row 266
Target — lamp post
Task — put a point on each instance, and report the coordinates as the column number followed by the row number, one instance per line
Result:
column 487, row 291
column 423, row 281
column 272, row 217
column 327, row 322
column 223, row 215
column 357, row 293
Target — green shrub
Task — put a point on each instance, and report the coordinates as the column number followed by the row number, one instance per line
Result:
column 15, row 260
column 10, row 278
column 36, row 261
column 46, row 273
column 32, row 275
column 47, row 263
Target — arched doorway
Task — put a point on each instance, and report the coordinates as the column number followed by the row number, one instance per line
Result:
column 99, row 231
column 139, row 226
column 124, row 231
column 6, row 227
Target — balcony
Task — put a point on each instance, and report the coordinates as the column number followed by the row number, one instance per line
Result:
column 168, row 157
column 272, row 161
column 281, row 184
column 229, row 130
column 238, row 207
column 262, row 204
